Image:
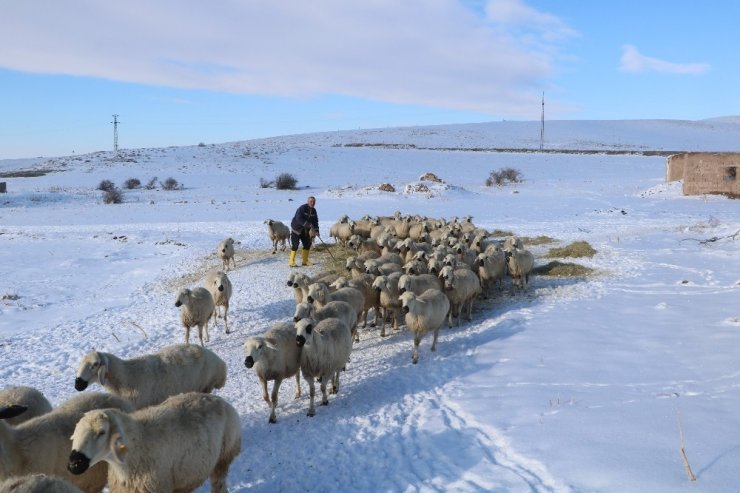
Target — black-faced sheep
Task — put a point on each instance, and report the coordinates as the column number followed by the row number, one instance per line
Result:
column 326, row 348
column 418, row 284
column 387, row 289
column 520, row 263
column 424, row 313
column 225, row 252
column 278, row 232
column 219, row 285
column 274, row 356
column 174, row 446
column 364, row 284
column 33, row 400
column 319, row 294
column 342, row 231
column 196, row 309
column 491, row 269
column 461, row 286
column 150, row 379
column 334, row 309
column 41, row 445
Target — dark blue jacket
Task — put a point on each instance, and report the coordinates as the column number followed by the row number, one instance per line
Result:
column 305, row 217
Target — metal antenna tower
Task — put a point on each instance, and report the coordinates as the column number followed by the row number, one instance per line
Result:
column 542, row 123
column 115, row 132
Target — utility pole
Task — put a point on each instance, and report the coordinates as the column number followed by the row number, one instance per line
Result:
column 115, row 132
column 542, row 123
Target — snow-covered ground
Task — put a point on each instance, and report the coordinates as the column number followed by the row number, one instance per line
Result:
column 579, row 385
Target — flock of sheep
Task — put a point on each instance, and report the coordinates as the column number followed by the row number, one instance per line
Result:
column 172, row 434
column 427, row 270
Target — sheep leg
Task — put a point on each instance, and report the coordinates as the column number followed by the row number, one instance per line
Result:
column 382, row 322
column 219, row 474
column 187, row 334
column 273, row 406
column 434, row 339
column 208, row 337
column 298, row 385
column 265, row 396
column 226, row 317
column 200, row 335
column 312, row 395
column 335, row 383
column 324, row 395
column 415, row 352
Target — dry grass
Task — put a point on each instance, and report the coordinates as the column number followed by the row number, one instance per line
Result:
column 332, row 257
column 500, row 233
column 576, row 249
column 563, row 269
column 538, row 240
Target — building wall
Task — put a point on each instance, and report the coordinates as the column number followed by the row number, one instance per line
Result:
column 706, row 172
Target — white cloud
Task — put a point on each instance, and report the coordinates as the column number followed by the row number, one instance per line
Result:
column 516, row 13
column 634, row 61
column 413, row 52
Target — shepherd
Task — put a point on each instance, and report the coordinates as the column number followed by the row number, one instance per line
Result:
column 303, row 222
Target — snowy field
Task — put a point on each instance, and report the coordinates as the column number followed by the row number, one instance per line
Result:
column 579, row 385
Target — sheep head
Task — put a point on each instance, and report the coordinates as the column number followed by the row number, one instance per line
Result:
column 97, row 437
column 93, row 368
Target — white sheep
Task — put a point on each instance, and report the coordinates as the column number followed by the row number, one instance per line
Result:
column 150, row 379
column 278, row 232
column 274, row 356
column 461, row 286
column 302, row 282
column 41, row 445
column 387, row 288
column 334, row 309
column 174, row 446
column 33, row 400
column 196, row 309
column 491, row 269
column 37, row 483
column 520, row 263
column 364, row 284
column 342, row 231
column 377, row 267
column 416, row 267
column 424, row 313
column 326, row 348
column 225, row 252
column 418, row 284
column 512, row 241
column 219, row 285
column 319, row 294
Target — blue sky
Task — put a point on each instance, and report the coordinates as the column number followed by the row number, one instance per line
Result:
column 181, row 72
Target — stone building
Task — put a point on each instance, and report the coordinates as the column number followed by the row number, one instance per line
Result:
column 706, row 172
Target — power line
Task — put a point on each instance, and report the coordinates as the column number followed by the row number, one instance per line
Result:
column 542, row 123
column 115, row 132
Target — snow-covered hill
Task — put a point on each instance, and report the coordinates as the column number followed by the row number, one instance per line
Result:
column 577, row 385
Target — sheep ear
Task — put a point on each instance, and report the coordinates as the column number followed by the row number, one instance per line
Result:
column 270, row 345
column 103, row 371
column 118, row 448
column 8, row 412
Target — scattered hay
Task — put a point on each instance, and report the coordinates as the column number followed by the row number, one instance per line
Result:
column 538, row 240
column 386, row 187
column 332, row 258
column 575, row 249
column 563, row 269
column 431, row 177
column 501, row 233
